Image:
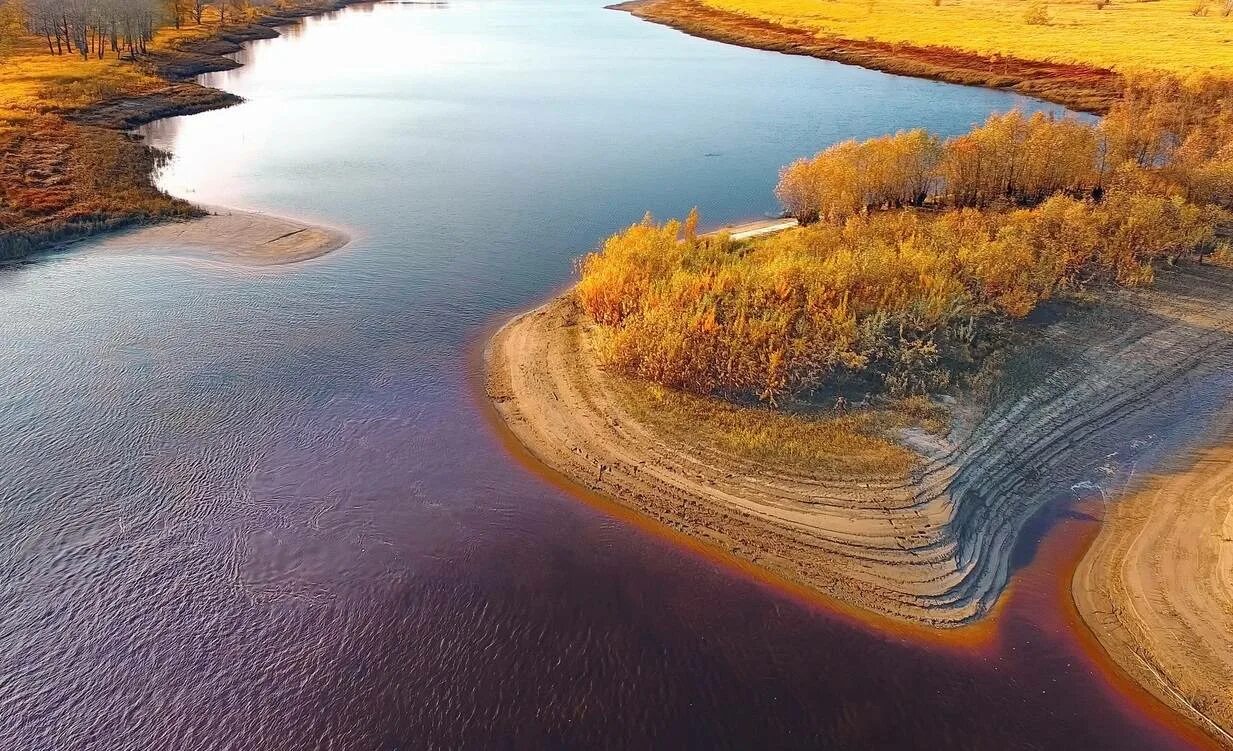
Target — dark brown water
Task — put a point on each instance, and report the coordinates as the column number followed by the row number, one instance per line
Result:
column 265, row 509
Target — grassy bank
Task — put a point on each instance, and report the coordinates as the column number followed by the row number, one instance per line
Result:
column 67, row 165
column 1073, row 52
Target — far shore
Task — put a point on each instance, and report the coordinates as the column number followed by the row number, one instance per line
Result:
column 1079, row 87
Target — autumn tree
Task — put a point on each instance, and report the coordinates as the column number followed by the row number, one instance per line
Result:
column 852, row 177
column 1024, row 208
column 12, row 25
column 177, row 10
column 890, row 296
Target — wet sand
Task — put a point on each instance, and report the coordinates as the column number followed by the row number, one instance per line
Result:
column 241, row 237
column 931, row 546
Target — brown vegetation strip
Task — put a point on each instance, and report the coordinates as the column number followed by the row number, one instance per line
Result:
column 931, row 544
column 1079, row 87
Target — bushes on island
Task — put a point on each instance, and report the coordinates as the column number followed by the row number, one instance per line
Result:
column 1163, row 136
column 889, row 296
column 878, row 290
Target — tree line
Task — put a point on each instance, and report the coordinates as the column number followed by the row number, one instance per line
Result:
column 1162, row 131
column 123, row 28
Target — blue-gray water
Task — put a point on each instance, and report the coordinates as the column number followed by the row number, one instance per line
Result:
column 263, row 509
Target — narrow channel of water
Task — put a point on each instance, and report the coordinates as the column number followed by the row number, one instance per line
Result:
column 264, row 509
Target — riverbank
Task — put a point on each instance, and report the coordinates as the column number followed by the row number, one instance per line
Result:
column 927, row 541
column 69, row 168
column 1156, row 586
column 1081, row 87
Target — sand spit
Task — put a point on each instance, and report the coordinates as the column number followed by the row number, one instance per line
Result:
column 1156, row 587
column 241, row 237
column 932, row 546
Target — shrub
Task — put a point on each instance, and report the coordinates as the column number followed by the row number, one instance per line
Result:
column 876, row 291
column 1037, row 14
column 890, row 297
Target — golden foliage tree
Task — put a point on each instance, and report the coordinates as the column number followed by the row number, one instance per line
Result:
column 887, row 296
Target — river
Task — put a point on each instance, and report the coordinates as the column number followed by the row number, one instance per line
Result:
column 267, row 509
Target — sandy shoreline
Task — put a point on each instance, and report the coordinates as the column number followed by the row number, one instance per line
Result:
column 932, row 546
column 1156, row 586
column 240, row 237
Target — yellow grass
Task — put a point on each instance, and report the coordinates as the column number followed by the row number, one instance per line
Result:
column 1174, row 36
column 33, row 82
column 857, row 442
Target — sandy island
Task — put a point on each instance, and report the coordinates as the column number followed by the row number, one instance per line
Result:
column 241, row 237
column 1156, row 587
column 1089, row 400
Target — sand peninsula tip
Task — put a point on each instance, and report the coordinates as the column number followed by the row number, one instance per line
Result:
column 930, row 545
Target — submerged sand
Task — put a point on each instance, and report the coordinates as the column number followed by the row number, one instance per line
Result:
column 241, row 237
column 932, row 545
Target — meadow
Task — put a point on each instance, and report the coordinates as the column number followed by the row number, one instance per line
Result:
column 1182, row 37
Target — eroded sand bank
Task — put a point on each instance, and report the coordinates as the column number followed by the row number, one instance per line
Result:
column 1097, row 390
column 241, row 237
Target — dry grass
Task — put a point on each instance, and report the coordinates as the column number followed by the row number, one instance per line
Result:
column 34, row 83
column 59, row 179
column 853, row 443
column 1122, row 35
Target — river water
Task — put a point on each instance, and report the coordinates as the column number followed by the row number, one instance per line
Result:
column 266, row 509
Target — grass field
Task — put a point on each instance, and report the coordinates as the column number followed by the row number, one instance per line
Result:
column 1183, row 37
column 58, row 178
column 33, row 83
